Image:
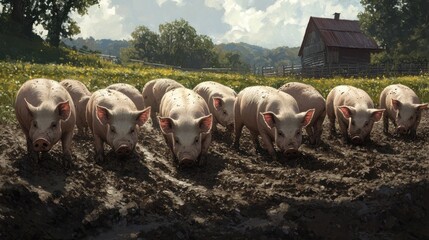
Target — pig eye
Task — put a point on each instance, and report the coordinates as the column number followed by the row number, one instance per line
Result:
column 35, row 124
column 197, row 139
column 112, row 129
column 280, row 133
column 298, row 132
column 411, row 118
column 224, row 112
column 54, row 125
column 176, row 140
column 366, row 123
column 132, row 130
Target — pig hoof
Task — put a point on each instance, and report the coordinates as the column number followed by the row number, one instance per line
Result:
column 67, row 161
column 99, row 158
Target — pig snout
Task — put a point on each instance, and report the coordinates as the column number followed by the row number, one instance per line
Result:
column 357, row 140
column 41, row 145
column 401, row 130
column 291, row 153
column 187, row 162
column 123, row 150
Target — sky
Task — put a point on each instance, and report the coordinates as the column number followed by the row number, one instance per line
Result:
column 266, row 23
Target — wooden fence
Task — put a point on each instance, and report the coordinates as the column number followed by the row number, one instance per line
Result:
column 349, row 70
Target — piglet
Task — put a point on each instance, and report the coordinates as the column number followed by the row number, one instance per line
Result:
column 307, row 98
column 354, row 110
column 186, row 122
column 113, row 118
column 80, row 95
column 46, row 113
column 272, row 114
column 403, row 108
column 130, row 91
column 154, row 90
column 220, row 100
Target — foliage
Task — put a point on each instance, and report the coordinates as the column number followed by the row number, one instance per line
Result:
column 14, row 48
column 177, row 44
column 51, row 14
column 13, row 75
column 400, row 26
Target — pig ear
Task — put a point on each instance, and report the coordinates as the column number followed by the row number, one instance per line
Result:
column 31, row 109
column 423, row 106
column 64, row 110
column 269, row 119
column 205, row 123
column 166, row 124
column 143, row 116
column 217, row 102
column 376, row 114
column 307, row 117
column 84, row 101
column 396, row 104
column 104, row 115
column 346, row 111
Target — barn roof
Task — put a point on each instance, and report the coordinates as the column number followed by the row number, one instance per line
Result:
column 339, row 33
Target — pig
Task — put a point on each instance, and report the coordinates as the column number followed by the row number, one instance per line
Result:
column 185, row 121
column 220, row 100
column 154, row 90
column 307, row 98
column 80, row 95
column 114, row 119
column 130, row 91
column 354, row 110
column 46, row 113
column 403, row 108
column 272, row 114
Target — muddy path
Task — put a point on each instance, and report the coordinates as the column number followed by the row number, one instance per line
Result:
column 334, row 191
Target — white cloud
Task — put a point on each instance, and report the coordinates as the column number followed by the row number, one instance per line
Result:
column 101, row 22
column 267, row 23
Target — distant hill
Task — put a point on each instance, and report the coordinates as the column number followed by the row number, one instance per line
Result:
column 259, row 56
column 252, row 55
column 104, row 46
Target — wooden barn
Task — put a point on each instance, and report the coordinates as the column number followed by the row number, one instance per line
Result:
column 330, row 41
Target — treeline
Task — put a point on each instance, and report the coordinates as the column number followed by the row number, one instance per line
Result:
column 20, row 16
column 178, row 44
column 401, row 27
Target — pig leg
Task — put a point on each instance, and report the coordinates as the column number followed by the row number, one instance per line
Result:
column 343, row 129
column 66, row 141
column 268, row 144
column 318, row 129
column 34, row 156
column 310, row 133
column 238, row 129
column 255, row 140
column 204, row 149
column 385, row 124
column 331, row 118
column 99, row 149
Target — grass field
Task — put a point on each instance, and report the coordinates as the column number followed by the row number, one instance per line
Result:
column 12, row 75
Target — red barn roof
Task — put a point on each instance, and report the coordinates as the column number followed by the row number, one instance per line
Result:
column 339, row 33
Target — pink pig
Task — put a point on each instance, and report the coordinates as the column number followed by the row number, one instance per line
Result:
column 46, row 114
column 354, row 110
column 154, row 90
column 272, row 114
column 307, row 98
column 80, row 95
column 113, row 118
column 220, row 100
column 186, row 123
column 403, row 108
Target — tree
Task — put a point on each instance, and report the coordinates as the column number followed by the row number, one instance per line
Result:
column 400, row 26
column 24, row 13
column 145, row 44
column 57, row 20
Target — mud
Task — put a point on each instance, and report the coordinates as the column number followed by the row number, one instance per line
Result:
column 334, row 191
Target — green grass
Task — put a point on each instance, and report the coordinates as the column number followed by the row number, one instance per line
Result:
column 14, row 74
